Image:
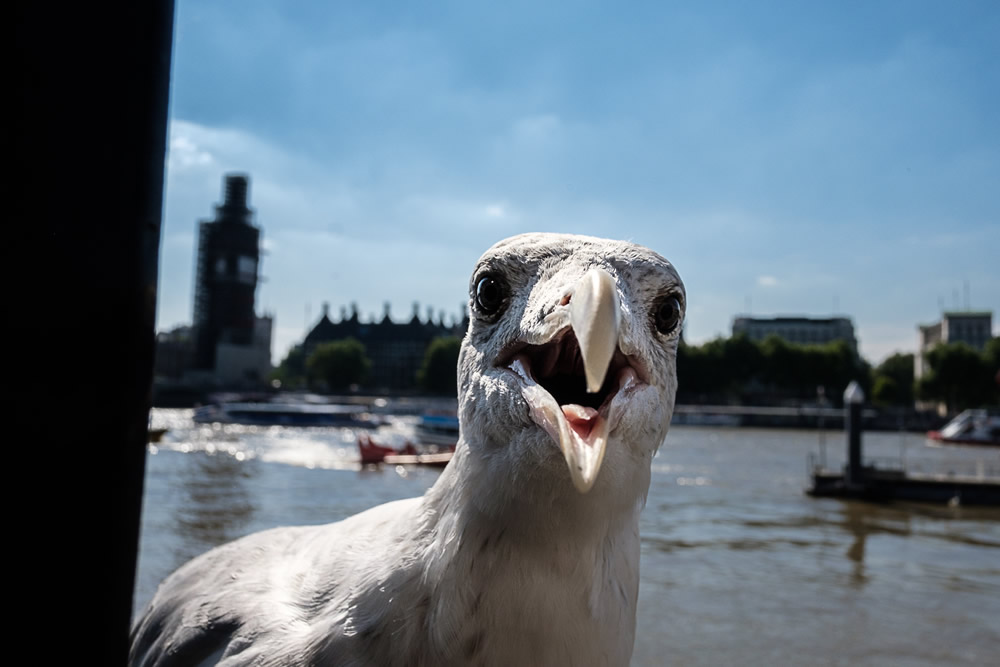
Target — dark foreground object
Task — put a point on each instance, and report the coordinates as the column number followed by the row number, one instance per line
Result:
column 87, row 148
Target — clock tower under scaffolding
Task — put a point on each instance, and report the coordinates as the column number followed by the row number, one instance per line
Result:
column 226, row 278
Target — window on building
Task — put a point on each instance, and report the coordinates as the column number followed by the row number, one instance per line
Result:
column 247, row 269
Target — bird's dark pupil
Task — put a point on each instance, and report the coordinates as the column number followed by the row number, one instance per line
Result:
column 488, row 294
column 666, row 315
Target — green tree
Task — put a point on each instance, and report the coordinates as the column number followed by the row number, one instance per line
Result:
column 291, row 372
column 339, row 364
column 779, row 363
column 742, row 361
column 886, row 391
column 842, row 365
column 959, row 376
column 992, row 355
column 893, row 381
column 737, row 366
column 439, row 372
column 701, row 372
column 992, row 358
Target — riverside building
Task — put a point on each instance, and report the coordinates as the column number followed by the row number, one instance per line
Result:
column 798, row 329
column 974, row 328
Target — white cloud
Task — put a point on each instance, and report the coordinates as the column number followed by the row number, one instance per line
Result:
column 495, row 211
column 767, row 281
column 184, row 153
column 534, row 128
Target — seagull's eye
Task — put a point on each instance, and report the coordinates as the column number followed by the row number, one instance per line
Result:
column 491, row 295
column 667, row 314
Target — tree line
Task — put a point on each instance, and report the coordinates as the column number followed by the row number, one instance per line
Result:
column 342, row 366
column 739, row 370
column 724, row 370
column 773, row 371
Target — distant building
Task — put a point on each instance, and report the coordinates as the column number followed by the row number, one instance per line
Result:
column 226, row 276
column 974, row 328
column 798, row 329
column 237, row 365
column 396, row 350
column 174, row 353
column 228, row 345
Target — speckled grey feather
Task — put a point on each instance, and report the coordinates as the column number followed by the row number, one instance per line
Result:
column 502, row 561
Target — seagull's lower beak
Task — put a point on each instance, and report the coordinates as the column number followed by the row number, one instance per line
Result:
column 580, row 431
column 583, row 433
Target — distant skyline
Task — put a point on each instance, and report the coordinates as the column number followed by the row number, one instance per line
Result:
column 788, row 158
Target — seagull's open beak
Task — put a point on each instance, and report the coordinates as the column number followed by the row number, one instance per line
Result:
column 580, row 430
column 593, row 314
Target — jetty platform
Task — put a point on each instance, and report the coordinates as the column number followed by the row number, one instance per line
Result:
column 884, row 480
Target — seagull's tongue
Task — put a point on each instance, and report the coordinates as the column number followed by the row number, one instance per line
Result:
column 581, row 419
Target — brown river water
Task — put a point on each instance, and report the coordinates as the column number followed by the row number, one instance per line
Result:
column 739, row 565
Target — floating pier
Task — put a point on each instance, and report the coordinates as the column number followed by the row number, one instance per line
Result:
column 878, row 481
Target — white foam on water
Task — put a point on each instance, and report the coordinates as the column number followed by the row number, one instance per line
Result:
column 307, row 452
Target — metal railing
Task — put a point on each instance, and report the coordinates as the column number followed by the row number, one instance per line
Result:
column 970, row 469
column 937, row 468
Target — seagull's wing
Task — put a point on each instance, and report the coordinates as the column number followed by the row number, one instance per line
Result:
column 280, row 596
column 192, row 619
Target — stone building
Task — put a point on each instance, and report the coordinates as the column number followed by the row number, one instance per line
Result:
column 800, row 330
column 974, row 328
column 396, row 350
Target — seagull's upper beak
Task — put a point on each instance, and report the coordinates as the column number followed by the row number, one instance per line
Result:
column 566, row 381
column 593, row 314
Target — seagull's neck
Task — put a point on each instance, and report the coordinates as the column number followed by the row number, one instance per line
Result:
column 556, row 563
column 532, row 507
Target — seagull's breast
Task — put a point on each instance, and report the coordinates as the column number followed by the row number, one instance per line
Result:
column 516, row 600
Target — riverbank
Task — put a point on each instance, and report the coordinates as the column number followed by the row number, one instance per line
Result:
column 804, row 417
column 773, row 416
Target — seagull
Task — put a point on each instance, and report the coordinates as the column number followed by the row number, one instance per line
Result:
column 526, row 549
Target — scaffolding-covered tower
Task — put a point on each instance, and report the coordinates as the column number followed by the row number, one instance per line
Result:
column 226, row 277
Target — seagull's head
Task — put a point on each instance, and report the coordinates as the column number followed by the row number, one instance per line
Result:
column 567, row 371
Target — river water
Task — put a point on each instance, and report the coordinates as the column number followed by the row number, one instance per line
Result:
column 739, row 566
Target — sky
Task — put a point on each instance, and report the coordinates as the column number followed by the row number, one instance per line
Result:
column 788, row 158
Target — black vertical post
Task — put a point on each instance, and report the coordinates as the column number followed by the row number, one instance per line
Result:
column 87, row 149
column 853, row 400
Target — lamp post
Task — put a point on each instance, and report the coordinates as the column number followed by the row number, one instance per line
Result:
column 854, row 397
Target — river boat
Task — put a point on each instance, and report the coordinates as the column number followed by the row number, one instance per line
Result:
column 438, row 460
column 286, row 414
column 971, row 427
column 439, row 429
column 372, row 453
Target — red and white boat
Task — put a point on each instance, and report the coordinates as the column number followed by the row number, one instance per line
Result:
column 972, row 427
column 374, row 453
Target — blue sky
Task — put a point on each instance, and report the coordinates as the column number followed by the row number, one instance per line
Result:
column 787, row 157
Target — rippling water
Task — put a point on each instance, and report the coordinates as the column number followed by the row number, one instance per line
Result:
column 739, row 566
